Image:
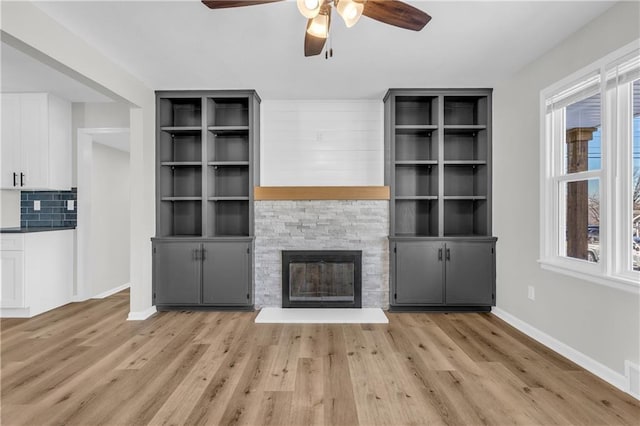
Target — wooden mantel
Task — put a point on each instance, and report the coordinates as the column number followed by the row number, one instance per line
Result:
column 263, row 193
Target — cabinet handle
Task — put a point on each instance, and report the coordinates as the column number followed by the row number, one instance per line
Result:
column 15, row 179
column 448, row 254
column 440, row 254
column 204, row 254
column 21, row 179
column 196, row 253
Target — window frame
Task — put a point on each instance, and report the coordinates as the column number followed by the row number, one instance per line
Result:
column 614, row 178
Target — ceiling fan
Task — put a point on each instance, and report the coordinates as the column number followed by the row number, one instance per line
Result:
column 318, row 13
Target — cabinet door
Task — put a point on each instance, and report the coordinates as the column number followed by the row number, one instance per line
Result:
column 470, row 273
column 34, row 130
column 419, row 273
column 177, row 272
column 226, row 269
column 12, row 291
column 10, row 148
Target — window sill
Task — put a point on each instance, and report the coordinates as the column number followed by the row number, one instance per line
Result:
column 627, row 284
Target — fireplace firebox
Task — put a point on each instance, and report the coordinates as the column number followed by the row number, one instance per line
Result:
column 322, row 279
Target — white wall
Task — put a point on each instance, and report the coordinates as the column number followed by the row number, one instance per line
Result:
column 27, row 28
column 95, row 115
column 599, row 322
column 10, row 208
column 321, row 143
column 109, row 219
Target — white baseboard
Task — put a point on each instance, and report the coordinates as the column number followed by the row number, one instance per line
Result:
column 632, row 373
column 15, row 313
column 112, row 291
column 141, row 315
column 589, row 364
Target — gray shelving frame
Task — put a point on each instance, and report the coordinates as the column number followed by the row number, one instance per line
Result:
column 444, row 173
column 207, row 165
column 438, row 166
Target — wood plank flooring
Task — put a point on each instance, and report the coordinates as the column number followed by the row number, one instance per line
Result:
column 84, row 364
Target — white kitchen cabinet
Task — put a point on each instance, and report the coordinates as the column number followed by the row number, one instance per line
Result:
column 36, row 142
column 12, row 291
column 37, row 272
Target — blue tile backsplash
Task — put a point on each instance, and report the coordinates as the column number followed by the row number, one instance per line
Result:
column 53, row 209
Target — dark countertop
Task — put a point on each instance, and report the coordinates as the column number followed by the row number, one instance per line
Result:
column 19, row 230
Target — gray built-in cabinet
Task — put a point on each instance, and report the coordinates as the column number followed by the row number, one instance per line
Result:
column 438, row 165
column 207, row 157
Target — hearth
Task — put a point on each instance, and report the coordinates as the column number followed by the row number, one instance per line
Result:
column 322, row 279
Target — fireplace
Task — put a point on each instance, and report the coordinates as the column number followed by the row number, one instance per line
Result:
column 321, row 279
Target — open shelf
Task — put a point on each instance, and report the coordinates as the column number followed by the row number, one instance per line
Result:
column 228, row 218
column 181, row 198
column 180, row 147
column 180, row 112
column 228, row 163
column 416, row 180
column 464, row 197
column 234, row 198
column 180, row 218
column 465, row 218
column 228, row 181
column 416, row 217
column 465, row 145
column 416, row 110
column 416, row 145
column 228, row 112
column 416, row 127
column 465, row 180
column 181, row 181
column 228, row 146
column 181, row 130
column 416, row 197
column 417, row 163
column 465, row 110
column 464, row 163
column 181, row 163
column 228, row 129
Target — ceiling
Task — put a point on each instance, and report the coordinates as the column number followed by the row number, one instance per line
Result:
column 22, row 73
column 185, row 45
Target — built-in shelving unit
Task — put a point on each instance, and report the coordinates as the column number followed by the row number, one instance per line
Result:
column 439, row 169
column 207, row 152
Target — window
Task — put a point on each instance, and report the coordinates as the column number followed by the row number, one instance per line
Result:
column 590, row 196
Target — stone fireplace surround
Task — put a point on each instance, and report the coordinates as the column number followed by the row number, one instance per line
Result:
column 322, row 225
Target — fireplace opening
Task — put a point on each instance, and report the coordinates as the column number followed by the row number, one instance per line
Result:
column 321, row 279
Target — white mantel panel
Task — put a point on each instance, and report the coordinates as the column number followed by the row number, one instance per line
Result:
column 322, row 143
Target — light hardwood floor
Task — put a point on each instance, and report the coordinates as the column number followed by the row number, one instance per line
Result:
column 85, row 364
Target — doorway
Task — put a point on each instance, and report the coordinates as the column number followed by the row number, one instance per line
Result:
column 103, row 231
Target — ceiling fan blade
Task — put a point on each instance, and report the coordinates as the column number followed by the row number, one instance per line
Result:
column 313, row 45
column 395, row 12
column 225, row 4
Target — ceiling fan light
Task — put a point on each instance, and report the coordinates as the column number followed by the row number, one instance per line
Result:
column 319, row 26
column 309, row 8
column 350, row 11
